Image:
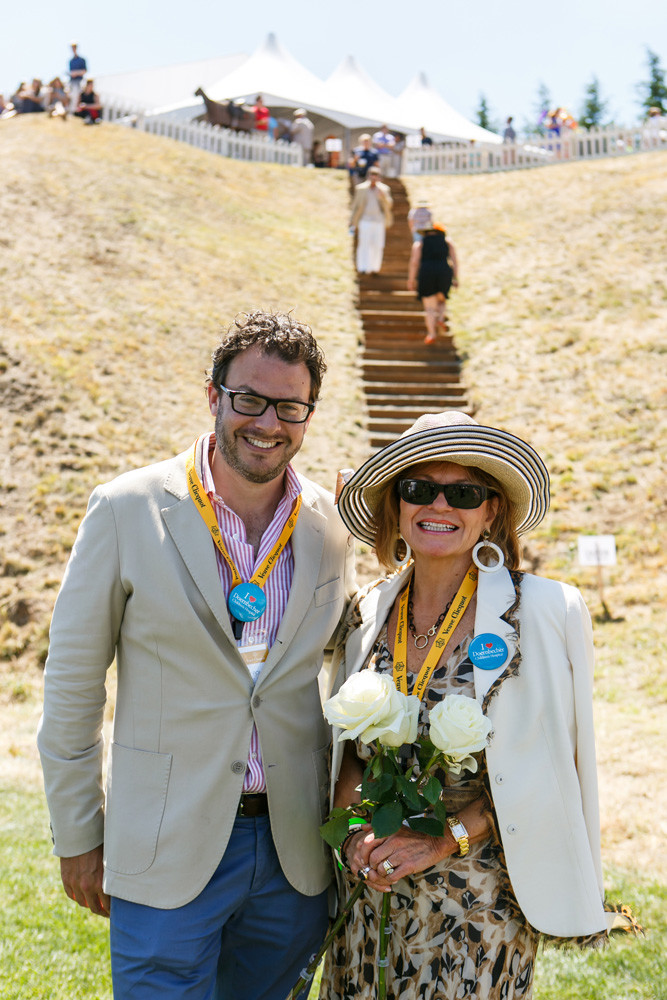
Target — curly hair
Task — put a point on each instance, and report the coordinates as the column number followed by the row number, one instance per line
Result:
column 275, row 334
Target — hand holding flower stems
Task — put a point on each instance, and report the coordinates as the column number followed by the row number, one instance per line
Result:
column 368, row 707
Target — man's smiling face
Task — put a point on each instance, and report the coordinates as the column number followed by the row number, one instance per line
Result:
column 259, row 448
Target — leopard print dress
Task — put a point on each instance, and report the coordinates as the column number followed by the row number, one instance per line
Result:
column 456, row 929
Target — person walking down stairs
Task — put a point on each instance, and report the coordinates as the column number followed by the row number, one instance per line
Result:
column 432, row 272
column 371, row 216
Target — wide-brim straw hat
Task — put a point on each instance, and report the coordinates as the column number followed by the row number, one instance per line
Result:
column 450, row 436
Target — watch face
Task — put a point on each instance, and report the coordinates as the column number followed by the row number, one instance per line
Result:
column 457, row 828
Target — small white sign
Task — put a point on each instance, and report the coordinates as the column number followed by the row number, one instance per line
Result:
column 333, row 145
column 597, row 550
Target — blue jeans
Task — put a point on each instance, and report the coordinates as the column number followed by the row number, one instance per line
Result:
column 246, row 936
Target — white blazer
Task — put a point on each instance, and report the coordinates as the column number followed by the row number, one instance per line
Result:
column 541, row 758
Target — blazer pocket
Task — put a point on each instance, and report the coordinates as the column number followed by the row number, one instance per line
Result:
column 136, row 797
column 329, row 592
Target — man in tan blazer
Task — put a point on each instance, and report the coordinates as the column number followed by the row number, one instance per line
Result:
column 371, row 216
column 206, row 852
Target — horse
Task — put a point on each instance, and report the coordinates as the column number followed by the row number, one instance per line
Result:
column 226, row 114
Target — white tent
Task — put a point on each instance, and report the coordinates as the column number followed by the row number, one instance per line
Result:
column 165, row 85
column 350, row 87
column 439, row 119
column 349, row 100
column 275, row 74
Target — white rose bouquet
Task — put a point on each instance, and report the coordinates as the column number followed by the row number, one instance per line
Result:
column 368, row 707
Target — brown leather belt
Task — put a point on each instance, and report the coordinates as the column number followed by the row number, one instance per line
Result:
column 253, row 804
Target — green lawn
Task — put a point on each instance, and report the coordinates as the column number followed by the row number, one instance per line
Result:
column 52, row 950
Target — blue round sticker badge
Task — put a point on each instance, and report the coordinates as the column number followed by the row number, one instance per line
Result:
column 247, row 602
column 488, row 651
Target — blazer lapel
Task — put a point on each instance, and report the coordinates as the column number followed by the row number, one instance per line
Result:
column 374, row 608
column 193, row 541
column 495, row 594
column 307, row 547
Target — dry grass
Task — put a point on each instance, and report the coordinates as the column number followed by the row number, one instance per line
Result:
column 122, row 256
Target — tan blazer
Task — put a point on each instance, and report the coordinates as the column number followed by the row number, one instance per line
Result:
column 541, row 759
column 142, row 585
column 361, row 197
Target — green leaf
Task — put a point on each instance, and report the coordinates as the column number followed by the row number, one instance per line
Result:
column 387, row 819
column 334, row 831
column 426, row 751
column 377, row 790
column 410, row 794
column 375, row 767
column 384, row 784
column 440, row 812
column 432, row 790
column 426, row 824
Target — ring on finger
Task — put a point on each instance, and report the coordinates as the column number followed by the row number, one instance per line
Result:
column 363, row 872
column 388, row 867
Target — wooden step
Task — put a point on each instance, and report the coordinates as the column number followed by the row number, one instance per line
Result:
column 403, row 377
column 435, row 376
column 381, row 282
column 390, row 302
column 411, row 413
column 446, row 387
column 421, row 399
column 428, row 354
column 408, row 335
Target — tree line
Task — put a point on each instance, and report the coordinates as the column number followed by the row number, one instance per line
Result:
column 594, row 107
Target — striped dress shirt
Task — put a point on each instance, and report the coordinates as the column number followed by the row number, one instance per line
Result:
column 276, row 588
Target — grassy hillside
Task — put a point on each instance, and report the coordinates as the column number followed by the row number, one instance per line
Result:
column 123, row 256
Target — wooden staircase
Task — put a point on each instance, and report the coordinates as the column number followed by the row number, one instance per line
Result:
column 402, row 376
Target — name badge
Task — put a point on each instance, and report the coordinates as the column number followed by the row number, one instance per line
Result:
column 488, row 651
column 254, row 656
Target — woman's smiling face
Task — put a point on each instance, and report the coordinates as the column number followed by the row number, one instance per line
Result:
column 437, row 530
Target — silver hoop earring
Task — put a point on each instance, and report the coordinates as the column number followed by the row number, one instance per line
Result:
column 486, row 544
column 400, row 563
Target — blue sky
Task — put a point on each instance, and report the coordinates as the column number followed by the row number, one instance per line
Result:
column 503, row 50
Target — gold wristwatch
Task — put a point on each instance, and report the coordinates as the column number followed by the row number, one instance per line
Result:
column 460, row 834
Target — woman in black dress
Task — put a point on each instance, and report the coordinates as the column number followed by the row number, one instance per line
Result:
column 433, row 271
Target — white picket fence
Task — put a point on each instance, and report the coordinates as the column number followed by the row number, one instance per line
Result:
column 453, row 158
column 222, row 141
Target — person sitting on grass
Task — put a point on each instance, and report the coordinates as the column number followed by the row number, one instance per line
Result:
column 57, row 99
column 89, row 107
column 30, row 99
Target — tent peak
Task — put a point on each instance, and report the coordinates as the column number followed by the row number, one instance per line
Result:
column 270, row 43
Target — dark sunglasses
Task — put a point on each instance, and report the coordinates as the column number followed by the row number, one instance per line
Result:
column 464, row 496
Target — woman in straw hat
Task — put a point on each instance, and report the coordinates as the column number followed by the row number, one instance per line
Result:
column 521, row 856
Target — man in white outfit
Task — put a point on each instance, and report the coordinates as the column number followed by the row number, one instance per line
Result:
column 371, row 217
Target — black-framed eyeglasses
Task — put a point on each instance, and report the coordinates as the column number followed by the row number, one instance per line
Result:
column 292, row 411
column 463, row 496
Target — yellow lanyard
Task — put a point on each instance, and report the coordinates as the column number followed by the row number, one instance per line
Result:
column 459, row 604
column 205, row 508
